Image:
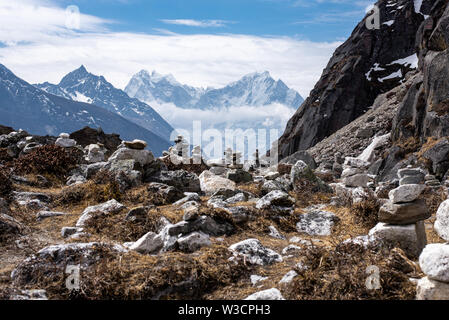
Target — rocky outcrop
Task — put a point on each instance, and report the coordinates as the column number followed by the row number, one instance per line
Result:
column 363, row 67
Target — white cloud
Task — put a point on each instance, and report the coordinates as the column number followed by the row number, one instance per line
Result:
column 197, row 23
column 45, row 50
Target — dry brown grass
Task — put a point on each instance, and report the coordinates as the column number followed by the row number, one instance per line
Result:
column 131, row 276
column 100, row 189
column 341, row 274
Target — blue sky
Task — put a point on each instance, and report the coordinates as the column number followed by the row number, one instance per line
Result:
column 200, row 42
column 322, row 20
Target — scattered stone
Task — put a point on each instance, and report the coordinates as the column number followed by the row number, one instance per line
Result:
column 254, row 252
column 274, row 233
column 110, row 207
column 211, row 183
column 434, row 262
column 270, row 294
column 317, row 223
column 139, row 214
column 143, row 157
column 180, row 179
column 8, row 226
column 288, row 277
column 275, row 198
column 255, row 279
column 239, row 176
column 30, row 295
column 53, row 260
column 69, row 231
column 148, row 244
column 194, row 242
column 442, row 221
column 358, row 180
column 48, row 214
column 291, row 249
column 428, row 289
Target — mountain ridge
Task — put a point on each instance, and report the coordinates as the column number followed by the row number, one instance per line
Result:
column 254, row 89
column 32, row 109
column 82, row 86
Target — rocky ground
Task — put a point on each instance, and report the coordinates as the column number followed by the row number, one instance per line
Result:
column 140, row 227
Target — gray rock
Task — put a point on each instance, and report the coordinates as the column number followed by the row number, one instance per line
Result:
column 274, row 233
column 30, row 295
column 410, row 238
column 194, row 242
column 239, row 197
column 270, row 294
column 358, row 180
column 180, row 179
column 317, row 223
column 255, row 279
column 290, row 249
column 211, row 183
column 110, row 207
column 254, row 252
column 288, row 277
column 65, row 142
column 69, row 231
column 135, row 144
column 53, row 260
column 189, row 196
column 164, row 194
column 406, row 193
column 300, row 155
column 442, row 221
column 143, row 157
column 239, row 176
column 404, row 213
column 204, row 224
column 275, row 198
column 48, row 214
column 428, row 289
column 148, row 244
column 9, row 226
column 434, row 262
column 411, row 172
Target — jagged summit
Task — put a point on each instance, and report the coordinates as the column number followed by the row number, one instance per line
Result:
column 255, row 89
column 83, row 86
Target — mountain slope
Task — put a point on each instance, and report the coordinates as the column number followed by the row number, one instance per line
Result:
column 83, row 86
column 369, row 63
column 257, row 89
column 25, row 106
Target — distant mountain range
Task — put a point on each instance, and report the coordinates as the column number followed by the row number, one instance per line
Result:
column 24, row 106
column 82, row 86
column 256, row 89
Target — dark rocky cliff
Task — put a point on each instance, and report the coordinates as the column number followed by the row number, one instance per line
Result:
column 360, row 70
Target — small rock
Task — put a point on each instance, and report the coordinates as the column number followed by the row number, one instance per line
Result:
column 317, row 223
column 406, row 193
column 442, row 221
column 135, row 144
column 274, row 233
column 404, row 213
column 428, row 289
column 288, row 277
column 48, row 214
column 110, row 207
column 434, row 262
column 270, row 294
column 194, row 242
column 255, row 253
column 410, row 238
column 255, row 279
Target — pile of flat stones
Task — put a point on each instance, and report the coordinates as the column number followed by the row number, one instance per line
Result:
column 402, row 216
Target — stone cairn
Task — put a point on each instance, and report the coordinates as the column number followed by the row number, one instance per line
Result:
column 402, row 216
column 65, row 141
column 434, row 261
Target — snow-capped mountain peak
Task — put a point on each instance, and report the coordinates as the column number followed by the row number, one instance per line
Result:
column 254, row 89
column 82, row 86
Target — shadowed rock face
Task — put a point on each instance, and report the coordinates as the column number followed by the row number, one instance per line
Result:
column 358, row 72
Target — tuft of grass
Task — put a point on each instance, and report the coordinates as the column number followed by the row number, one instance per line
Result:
column 341, row 274
column 366, row 212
